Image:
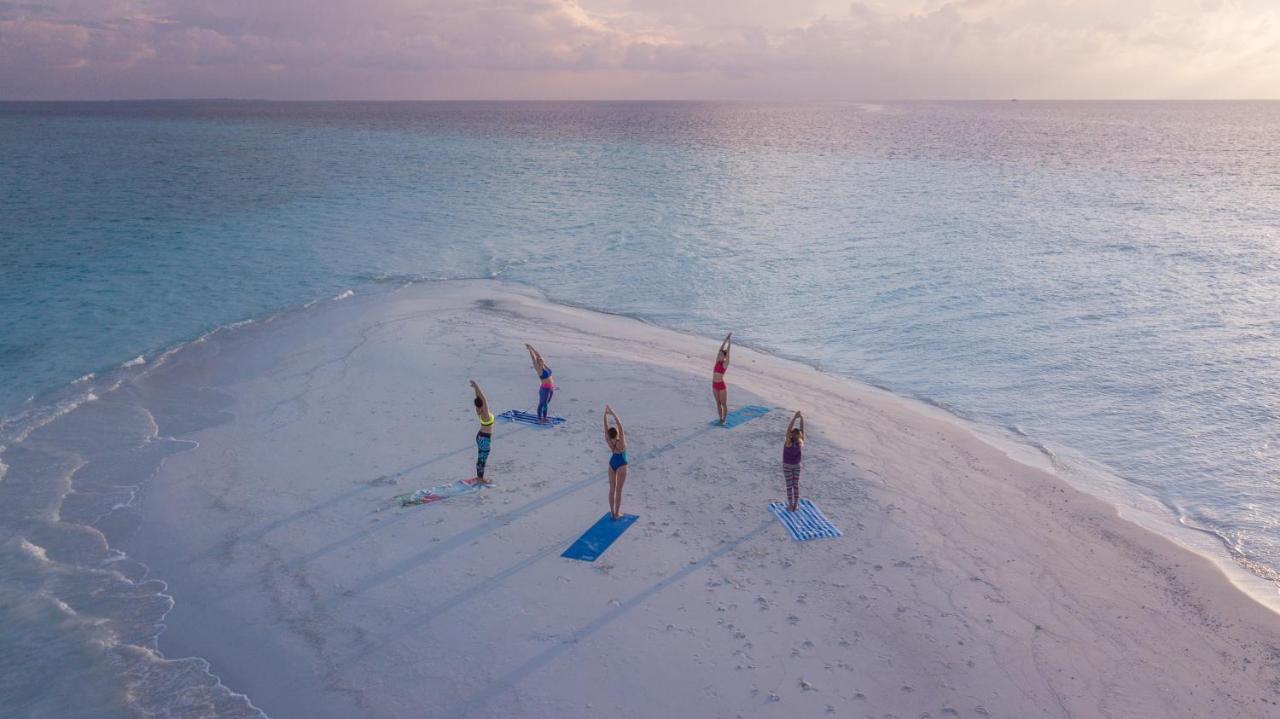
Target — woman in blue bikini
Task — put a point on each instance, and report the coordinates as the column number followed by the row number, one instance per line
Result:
column 617, row 441
column 547, row 385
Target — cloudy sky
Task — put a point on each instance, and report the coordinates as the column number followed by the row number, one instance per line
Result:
column 584, row 49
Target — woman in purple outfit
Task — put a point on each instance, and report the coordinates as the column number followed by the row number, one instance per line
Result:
column 791, row 447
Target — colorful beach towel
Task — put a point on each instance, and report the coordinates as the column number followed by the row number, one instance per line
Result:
column 741, row 415
column 444, row 491
column 805, row 523
column 594, row 541
column 523, row 417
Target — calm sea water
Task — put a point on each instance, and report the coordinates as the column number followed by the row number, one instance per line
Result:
column 1101, row 279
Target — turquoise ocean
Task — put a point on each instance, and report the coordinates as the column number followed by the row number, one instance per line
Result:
column 1098, row 282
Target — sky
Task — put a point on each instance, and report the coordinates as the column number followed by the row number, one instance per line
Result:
column 640, row 49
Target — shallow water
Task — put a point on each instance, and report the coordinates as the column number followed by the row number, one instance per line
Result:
column 1098, row 278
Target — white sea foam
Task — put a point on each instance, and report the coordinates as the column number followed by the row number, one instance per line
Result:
column 33, row 550
column 84, row 378
column 37, row 421
column 207, row 335
column 164, row 356
column 133, row 494
column 346, row 294
column 134, row 362
column 155, row 682
column 116, row 556
column 153, row 428
column 63, row 606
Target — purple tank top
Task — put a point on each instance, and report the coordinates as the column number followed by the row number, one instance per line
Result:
column 791, row 454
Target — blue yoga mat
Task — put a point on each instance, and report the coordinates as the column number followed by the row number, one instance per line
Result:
column 523, row 417
column 597, row 539
column 805, row 523
column 741, row 415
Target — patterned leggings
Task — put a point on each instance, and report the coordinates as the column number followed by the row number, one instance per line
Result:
column 791, row 472
column 544, row 400
column 483, row 441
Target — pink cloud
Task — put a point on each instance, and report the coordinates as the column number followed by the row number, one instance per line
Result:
column 811, row 49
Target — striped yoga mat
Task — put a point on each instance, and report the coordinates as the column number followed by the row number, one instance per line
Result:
column 523, row 417
column 805, row 523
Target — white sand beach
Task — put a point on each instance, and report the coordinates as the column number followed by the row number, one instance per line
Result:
column 966, row 583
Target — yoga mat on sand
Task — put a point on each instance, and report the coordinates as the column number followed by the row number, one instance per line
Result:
column 805, row 523
column 594, row 541
column 523, row 417
column 435, row 494
column 741, row 415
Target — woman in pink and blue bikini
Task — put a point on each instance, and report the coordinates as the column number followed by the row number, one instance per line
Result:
column 546, row 386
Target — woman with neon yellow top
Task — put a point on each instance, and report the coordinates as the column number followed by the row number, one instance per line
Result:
column 547, row 385
column 484, row 438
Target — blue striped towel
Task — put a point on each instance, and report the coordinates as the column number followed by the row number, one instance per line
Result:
column 523, row 417
column 805, row 523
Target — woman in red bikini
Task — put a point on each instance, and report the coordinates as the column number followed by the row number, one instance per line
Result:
column 718, row 387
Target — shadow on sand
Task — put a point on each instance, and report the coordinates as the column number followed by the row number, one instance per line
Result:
column 462, row 538
column 511, row 678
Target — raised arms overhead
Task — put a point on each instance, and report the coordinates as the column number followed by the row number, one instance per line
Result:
column 484, row 403
column 538, row 363
column 617, row 423
column 726, row 346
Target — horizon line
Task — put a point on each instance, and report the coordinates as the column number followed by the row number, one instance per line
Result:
column 627, row 100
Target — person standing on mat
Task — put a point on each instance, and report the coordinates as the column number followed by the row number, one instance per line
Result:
column 484, row 437
column 617, row 441
column 718, row 387
column 547, row 386
column 791, row 447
